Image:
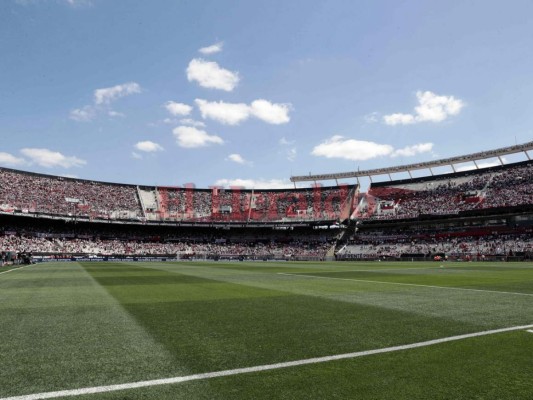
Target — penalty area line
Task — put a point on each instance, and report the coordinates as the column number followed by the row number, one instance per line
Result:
column 259, row 368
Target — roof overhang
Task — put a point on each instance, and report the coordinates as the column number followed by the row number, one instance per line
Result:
column 520, row 148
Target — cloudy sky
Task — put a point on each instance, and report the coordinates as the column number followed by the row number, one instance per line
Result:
column 250, row 93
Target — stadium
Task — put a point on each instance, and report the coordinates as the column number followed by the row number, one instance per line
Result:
column 324, row 291
column 294, row 200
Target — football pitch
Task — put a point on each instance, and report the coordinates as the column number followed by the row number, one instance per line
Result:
column 266, row 330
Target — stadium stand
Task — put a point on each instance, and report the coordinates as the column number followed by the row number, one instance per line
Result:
column 35, row 193
column 506, row 186
column 479, row 214
column 478, row 245
column 60, row 238
column 53, row 195
column 218, row 204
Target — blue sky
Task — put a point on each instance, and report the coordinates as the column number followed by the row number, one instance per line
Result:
column 249, row 92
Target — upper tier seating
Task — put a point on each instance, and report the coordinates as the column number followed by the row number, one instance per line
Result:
column 511, row 186
column 57, row 195
column 35, row 193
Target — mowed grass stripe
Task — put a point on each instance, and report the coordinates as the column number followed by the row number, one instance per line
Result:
column 131, row 284
column 259, row 368
column 58, row 345
column 263, row 325
column 482, row 309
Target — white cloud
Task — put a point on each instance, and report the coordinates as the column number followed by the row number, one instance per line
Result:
column 360, row 150
column 79, row 3
column 270, row 112
column 72, row 3
column 9, row 159
column 351, row 149
column 48, row 158
column 291, row 154
column 115, row 114
column 285, row 142
column 410, row 151
column 255, row 183
column 191, row 137
column 192, row 122
column 136, row 155
column 110, row 94
column 208, row 74
column 178, row 108
column 235, row 113
column 225, row 113
column 148, row 146
column 237, row 158
column 183, row 121
column 84, row 114
column 371, row 118
column 103, row 97
column 436, row 108
column 399, row 119
column 214, row 48
column 431, row 107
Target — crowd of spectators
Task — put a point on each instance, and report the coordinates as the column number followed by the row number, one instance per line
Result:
column 34, row 193
column 184, row 203
column 509, row 187
column 185, row 249
column 46, row 194
column 56, row 237
column 366, row 248
column 245, row 205
column 57, row 195
column 463, row 247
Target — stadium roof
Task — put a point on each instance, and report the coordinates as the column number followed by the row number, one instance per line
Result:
column 423, row 165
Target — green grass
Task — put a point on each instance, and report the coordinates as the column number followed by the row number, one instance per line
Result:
column 66, row 326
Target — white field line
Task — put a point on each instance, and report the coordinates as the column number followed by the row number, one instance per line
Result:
column 376, row 270
column 5, row 272
column 259, row 368
column 462, row 268
column 14, row 269
column 406, row 284
column 530, row 330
